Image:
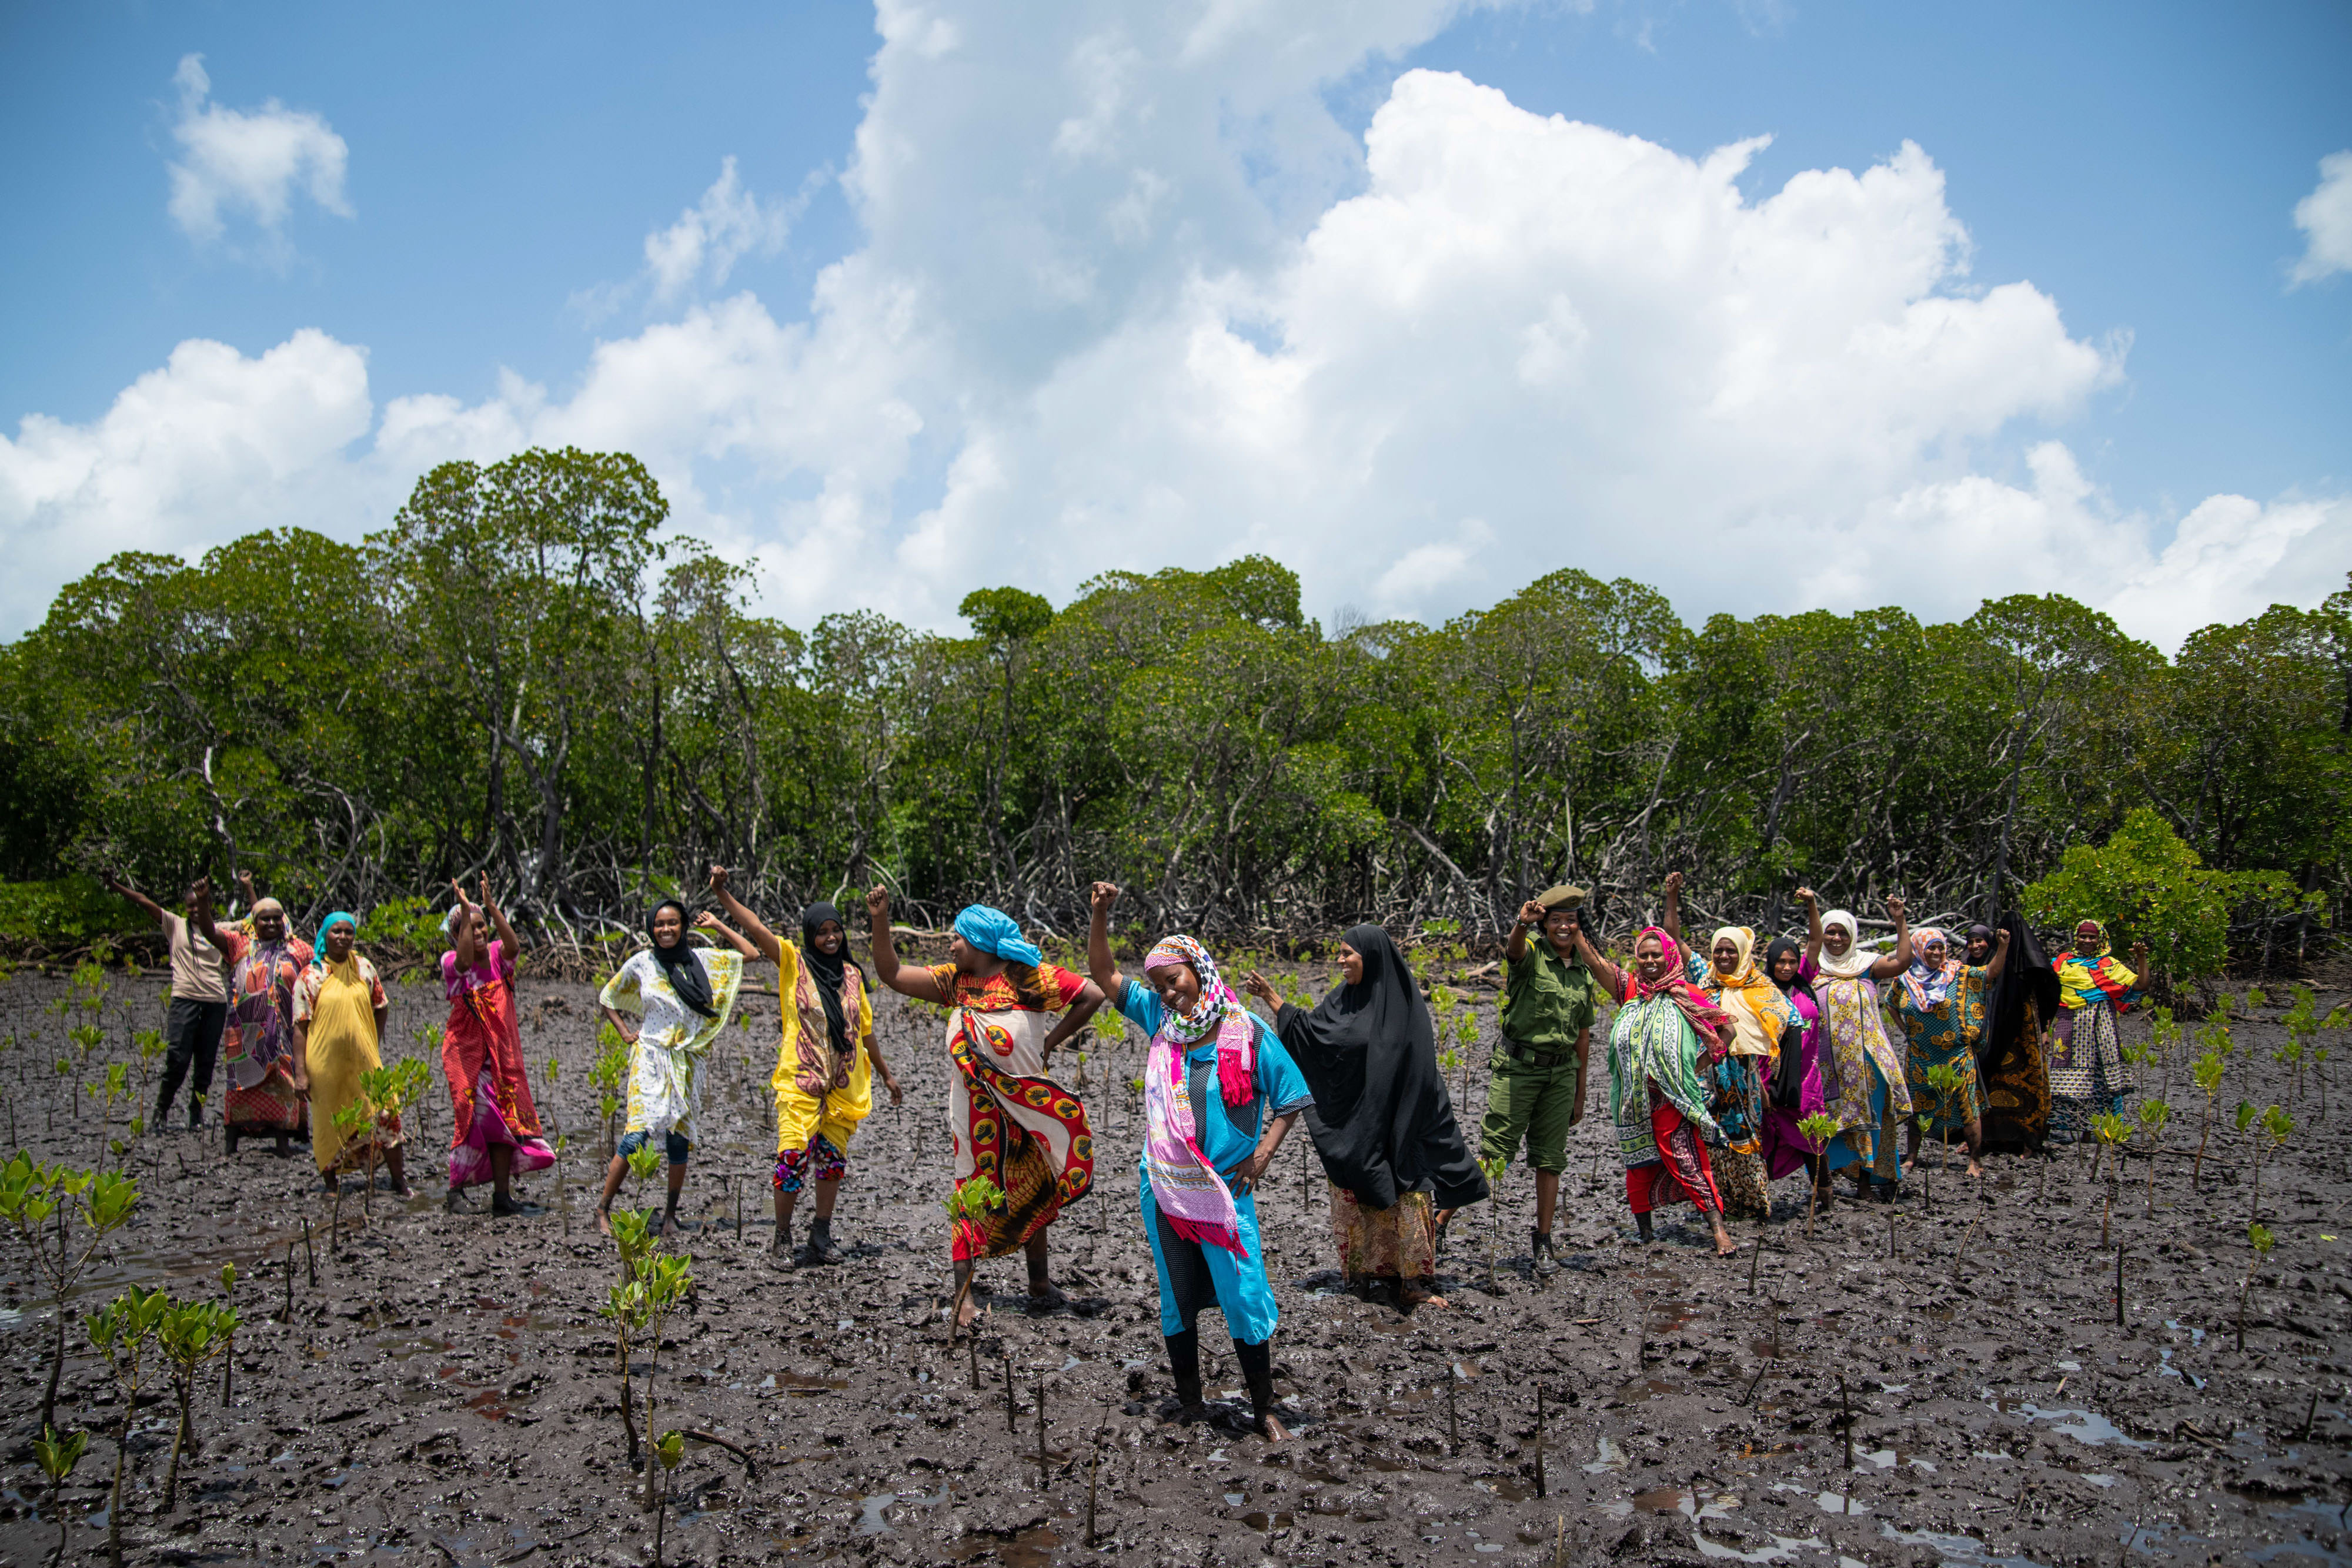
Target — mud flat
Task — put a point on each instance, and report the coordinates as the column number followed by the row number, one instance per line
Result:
column 447, row 1393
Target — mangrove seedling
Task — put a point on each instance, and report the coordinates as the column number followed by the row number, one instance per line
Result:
column 663, row 1279
column 121, row 1333
column 2258, row 1247
column 670, row 1449
column 57, row 1456
column 2154, row 1115
column 2208, row 1069
column 190, row 1334
column 2274, row 1124
column 973, row 1200
column 1818, row 1128
column 1494, row 1169
column 2113, row 1134
column 32, row 1196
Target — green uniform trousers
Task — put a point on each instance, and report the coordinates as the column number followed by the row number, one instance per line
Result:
column 1538, row 1103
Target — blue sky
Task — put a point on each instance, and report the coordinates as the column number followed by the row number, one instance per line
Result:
column 1020, row 296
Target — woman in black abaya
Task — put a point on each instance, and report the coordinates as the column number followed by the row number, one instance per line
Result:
column 1383, row 1121
column 2009, row 1061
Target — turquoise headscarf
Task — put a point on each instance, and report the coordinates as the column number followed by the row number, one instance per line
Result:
column 994, row 931
column 319, row 953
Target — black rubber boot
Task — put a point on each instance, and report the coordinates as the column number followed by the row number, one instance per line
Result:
column 1542, row 1259
column 1184, row 1365
column 1257, row 1373
column 821, row 1245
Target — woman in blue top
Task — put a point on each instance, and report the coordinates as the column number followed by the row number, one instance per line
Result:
column 1219, row 1095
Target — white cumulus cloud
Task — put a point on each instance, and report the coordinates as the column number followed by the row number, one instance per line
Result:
column 1129, row 296
column 250, row 162
column 2324, row 216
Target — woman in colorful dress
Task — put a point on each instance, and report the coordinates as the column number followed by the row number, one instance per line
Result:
column 1220, row 1094
column 1862, row 1072
column 1796, row 1091
column 1383, row 1121
column 1941, row 1006
column 2011, row 1062
column 1666, row 1037
column 257, row 1043
column 823, row 1078
column 1761, row 1020
column 1011, row 1123
column 494, row 1126
column 2088, row 1076
column 669, row 1001
column 339, row 1012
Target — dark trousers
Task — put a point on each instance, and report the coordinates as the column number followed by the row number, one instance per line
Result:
column 193, row 1031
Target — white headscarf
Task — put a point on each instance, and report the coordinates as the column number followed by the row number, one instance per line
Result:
column 1854, row 964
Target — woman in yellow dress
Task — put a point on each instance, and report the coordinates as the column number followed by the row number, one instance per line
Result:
column 339, row 1013
column 825, row 1064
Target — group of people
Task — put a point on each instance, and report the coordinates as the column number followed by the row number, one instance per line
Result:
column 1728, row 1069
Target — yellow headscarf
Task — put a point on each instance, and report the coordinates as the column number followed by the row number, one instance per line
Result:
column 1759, row 1009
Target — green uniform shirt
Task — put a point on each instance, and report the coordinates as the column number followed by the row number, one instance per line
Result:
column 1547, row 1000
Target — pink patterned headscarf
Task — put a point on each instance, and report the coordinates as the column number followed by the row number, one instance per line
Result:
column 1185, row 1187
column 1218, row 1013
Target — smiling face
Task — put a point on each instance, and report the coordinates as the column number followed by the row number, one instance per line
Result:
column 1934, row 952
column 480, row 927
column 1179, row 987
column 339, row 938
column 1835, row 940
column 1650, row 960
column 1559, row 930
column 1979, row 949
column 827, row 939
column 669, row 927
column 1726, row 956
column 1784, row 969
column 270, row 925
column 2086, row 934
column 1351, row 965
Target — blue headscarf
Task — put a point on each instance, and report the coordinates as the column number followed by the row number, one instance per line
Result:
column 319, row 953
column 994, row 931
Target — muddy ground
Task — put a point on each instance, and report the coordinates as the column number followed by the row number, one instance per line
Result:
column 445, row 1393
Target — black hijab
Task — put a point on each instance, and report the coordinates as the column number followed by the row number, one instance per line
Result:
column 2027, row 979
column 686, row 976
column 1788, row 1086
column 829, row 970
column 1381, row 1119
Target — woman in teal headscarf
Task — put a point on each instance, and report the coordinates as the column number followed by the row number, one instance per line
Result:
column 1011, row 1123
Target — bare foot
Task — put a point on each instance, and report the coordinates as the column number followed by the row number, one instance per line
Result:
column 968, row 1313
column 670, row 1226
column 1044, row 1297
column 1272, row 1430
column 1976, row 1170
column 604, row 1220
column 1411, row 1293
column 404, row 1192
column 1724, row 1245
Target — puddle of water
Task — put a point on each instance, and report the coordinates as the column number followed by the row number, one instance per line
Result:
column 1827, row 1501
column 1784, row 1549
column 1609, row 1457
column 802, row 1382
column 1678, row 1499
column 1962, row 1549
column 1030, row 1548
column 1510, row 1488
column 2086, row 1426
column 1648, row 1388
column 1266, row 1524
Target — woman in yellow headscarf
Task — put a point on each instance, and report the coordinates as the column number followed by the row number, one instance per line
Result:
column 1759, row 1011
column 339, row 1013
column 2088, row 1075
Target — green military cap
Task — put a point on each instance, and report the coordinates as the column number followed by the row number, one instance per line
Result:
column 1561, row 897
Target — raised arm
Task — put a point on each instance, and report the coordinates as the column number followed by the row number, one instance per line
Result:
column 766, row 941
column 1812, row 924
column 1607, row 972
column 1671, row 921
column 908, row 980
column 1999, row 959
column 120, row 889
column 201, row 922
column 1895, row 963
column 498, row 921
column 711, row 924
column 1531, row 918
column 247, row 891
column 461, row 940
column 1099, row 963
